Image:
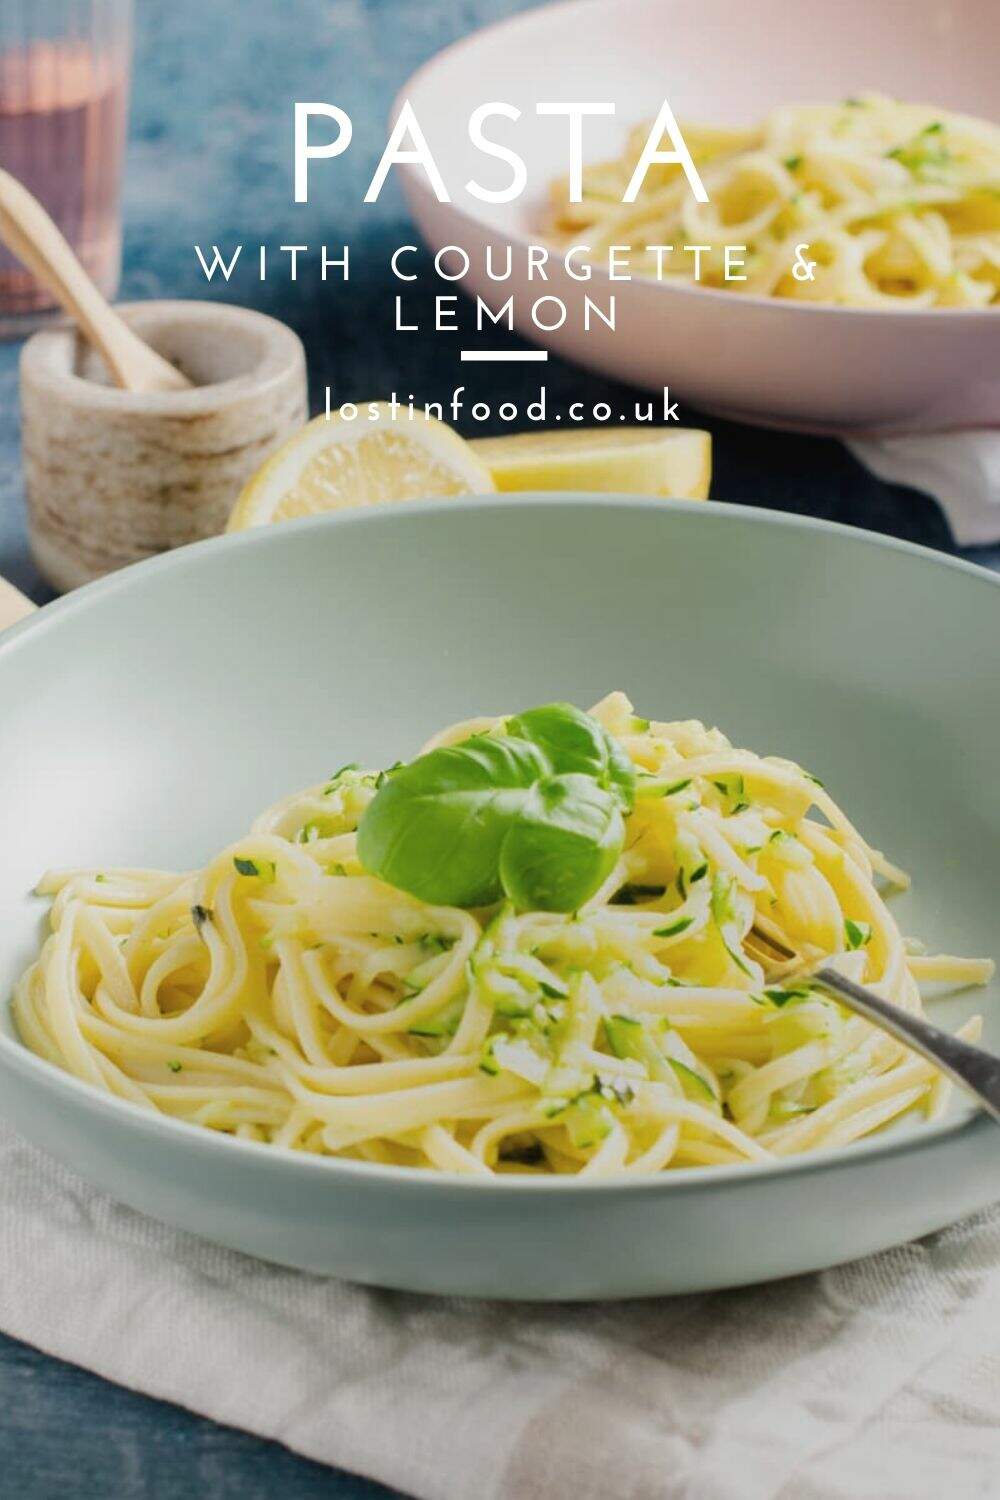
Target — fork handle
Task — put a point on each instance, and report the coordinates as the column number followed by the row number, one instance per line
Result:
column 972, row 1068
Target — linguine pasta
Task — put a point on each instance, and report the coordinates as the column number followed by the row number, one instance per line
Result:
column 897, row 204
column 285, row 996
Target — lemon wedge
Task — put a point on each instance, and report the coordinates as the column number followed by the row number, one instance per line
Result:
column 642, row 461
column 336, row 463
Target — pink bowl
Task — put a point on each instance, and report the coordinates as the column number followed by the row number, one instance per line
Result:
column 757, row 359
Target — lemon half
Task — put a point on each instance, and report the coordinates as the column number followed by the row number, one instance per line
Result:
column 637, row 460
column 337, row 463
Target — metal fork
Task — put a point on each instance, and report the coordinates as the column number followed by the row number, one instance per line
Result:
column 972, row 1068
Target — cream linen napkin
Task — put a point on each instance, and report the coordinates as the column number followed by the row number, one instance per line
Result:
column 876, row 1381
column 961, row 470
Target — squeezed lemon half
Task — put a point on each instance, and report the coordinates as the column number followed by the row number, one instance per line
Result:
column 337, row 464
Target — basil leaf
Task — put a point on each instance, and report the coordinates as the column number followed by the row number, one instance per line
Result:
column 435, row 827
column 575, row 742
column 536, row 815
column 563, row 845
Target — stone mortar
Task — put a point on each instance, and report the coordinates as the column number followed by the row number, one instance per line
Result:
column 113, row 477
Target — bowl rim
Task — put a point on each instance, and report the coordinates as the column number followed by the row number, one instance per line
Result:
column 415, row 183
column 968, row 1124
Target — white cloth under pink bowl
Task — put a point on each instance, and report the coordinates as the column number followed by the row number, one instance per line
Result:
column 961, row 470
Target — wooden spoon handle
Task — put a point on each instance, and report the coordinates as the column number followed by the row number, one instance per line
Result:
column 14, row 605
column 28, row 231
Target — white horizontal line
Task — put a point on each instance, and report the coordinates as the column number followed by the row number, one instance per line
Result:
column 510, row 356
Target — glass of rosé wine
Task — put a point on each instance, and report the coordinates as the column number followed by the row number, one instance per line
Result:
column 64, row 73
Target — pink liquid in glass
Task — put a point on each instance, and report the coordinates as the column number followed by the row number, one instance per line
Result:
column 62, row 132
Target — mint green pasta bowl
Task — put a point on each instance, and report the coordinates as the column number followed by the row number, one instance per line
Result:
column 147, row 719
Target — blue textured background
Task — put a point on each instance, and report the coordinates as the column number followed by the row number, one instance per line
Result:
column 209, row 160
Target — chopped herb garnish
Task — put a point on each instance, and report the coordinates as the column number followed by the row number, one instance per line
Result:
column 793, row 163
column 934, row 128
column 264, row 869
column 352, row 765
column 336, row 869
column 638, row 726
column 675, row 927
column 616, row 1090
column 100, row 879
column 733, row 788
column 668, row 791
column 174, row 1065
column 920, row 159
column 629, row 895
column 698, row 874
column 857, row 934
column 782, row 997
